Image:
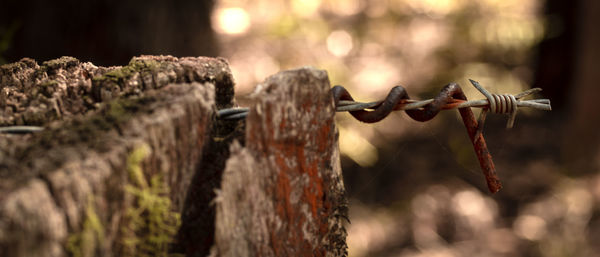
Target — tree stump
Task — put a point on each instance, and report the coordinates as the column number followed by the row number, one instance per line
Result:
column 131, row 157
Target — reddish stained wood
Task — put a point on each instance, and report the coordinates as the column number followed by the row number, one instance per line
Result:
column 287, row 165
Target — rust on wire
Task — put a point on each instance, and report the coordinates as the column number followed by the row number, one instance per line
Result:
column 450, row 97
column 447, row 95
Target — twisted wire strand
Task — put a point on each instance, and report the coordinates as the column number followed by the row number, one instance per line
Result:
column 398, row 99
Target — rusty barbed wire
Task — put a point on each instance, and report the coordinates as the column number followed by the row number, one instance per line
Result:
column 401, row 101
column 450, row 97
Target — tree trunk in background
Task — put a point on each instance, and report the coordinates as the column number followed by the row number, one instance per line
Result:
column 131, row 158
column 556, row 53
column 106, row 32
column 567, row 71
column 581, row 145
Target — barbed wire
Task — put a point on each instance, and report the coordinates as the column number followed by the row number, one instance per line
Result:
column 450, row 97
column 499, row 103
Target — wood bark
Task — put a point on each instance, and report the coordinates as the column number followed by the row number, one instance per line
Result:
column 132, row 155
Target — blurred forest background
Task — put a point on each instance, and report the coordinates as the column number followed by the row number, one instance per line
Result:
column 415, row 188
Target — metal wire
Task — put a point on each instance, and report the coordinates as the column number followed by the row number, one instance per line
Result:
column 20, row 129
column 450, row 97
column 399, row 99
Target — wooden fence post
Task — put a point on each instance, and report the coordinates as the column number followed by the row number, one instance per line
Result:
column 131, row 157
column 282, row 194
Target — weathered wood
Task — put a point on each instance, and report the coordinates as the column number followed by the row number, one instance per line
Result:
column 76, row 187
column 282, row 194
column 131, row 158
column 36, row 95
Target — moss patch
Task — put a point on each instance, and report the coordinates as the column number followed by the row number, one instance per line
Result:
column 62, row 62
column 88, row 242
column 150, row 224
column 120, row 75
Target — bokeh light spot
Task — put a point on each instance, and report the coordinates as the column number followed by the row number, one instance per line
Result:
column 435, row 7
column 376, row 76
column 231, row 20
column 530, row 227
column 339, row 43
column 306, row 8
column 468, row 203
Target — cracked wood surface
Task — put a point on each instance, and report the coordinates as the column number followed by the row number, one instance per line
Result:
column 46, row 179
column 278, row 177
column 282, row 194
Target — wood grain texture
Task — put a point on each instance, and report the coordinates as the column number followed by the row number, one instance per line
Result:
column 49, row 181
column 270, row 185
column 282, row 194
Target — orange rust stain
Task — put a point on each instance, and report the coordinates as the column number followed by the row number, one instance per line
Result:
column 306, row 105
column 283, row 123
column 276, row 243
column 283, row 191
column 290, row 240
column 313, row 192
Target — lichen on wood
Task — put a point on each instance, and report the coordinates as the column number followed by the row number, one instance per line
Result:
column 151, row 222
column 151, row 72
column 59, row 89
column 47, row 178
column 88, row 242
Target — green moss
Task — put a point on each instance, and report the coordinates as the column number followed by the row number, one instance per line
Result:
column 90, row 239
column 126, row 72
column 118, row 74
column 144, row 64
column 62, row 62
column 150, row 224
